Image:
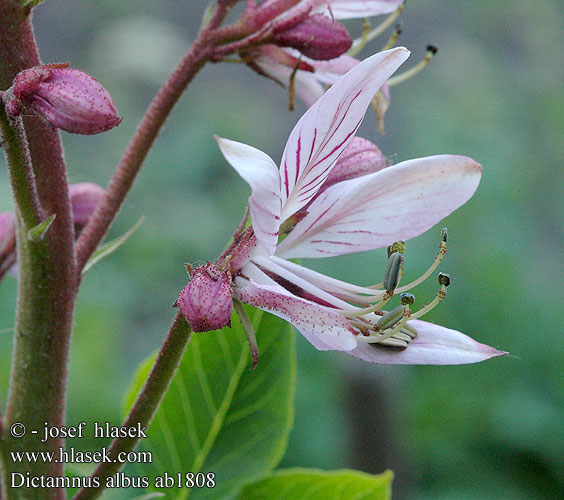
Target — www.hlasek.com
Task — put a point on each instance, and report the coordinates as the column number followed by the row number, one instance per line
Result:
column 70, row 455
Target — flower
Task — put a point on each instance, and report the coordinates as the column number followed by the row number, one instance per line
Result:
column 67, row 98
column 310, row 75
column 362, row 213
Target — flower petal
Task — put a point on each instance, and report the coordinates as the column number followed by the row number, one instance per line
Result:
column 347, row 9
column 258, row 169
column 328, row 126
column 434, row 345
column 373, row 211
column 323, row 328
column 306, row 84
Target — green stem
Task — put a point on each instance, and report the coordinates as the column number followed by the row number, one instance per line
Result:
column 21, row 171
column 47, row 279
column 147, row 401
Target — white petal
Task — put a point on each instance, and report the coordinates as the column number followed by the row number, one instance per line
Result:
column 323, row 328
column 373, row 211
column 306, row 84
column 347, row 9
column 258, row 169
column 328, row 126
column 434, row 345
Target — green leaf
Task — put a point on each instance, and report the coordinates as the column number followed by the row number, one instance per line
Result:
column 219, row 417
column 30, row 3
column 150, row 496
column 37, row 233
column 110, row 247
column 312, row 484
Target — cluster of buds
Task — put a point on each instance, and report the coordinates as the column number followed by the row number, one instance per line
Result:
column 67, row 98
column 207, row 301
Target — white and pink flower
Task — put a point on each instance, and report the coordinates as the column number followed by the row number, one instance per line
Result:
column 363, row 212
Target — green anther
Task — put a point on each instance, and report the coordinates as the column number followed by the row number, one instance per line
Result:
column 444, row 234
column 444, row 279
column 397, row 246
column 393, row 271
column 390, row 318
column 407, row 299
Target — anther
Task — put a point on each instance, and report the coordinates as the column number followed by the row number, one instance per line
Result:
column 396, row 246
column 444, row 279
column 434, row 265
column 393, row 272
column 410, row 73
column 390, row 318
column 407, row 299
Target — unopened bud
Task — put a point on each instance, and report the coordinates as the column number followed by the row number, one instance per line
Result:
column 67, row 98
column 84, row 198
column 317, row 37
column 7, row 232
column 7, row 242
column 207, row 301
column 359, row 158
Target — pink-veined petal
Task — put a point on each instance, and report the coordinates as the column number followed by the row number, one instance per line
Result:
column 324, row 329
column 258, row 169
column 347, row 9
column 434, row 345
column 373, row 211
column 330, row 71
column 328, row 126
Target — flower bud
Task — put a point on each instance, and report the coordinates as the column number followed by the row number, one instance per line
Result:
column 7, row 242
column 317, row 37
column 207, row 301
column 67, row 98
column 84, row 198
column 360, row 157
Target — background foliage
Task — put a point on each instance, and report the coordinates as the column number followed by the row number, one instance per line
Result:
column 494, row 92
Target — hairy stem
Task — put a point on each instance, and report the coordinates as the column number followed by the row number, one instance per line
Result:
column 147, row 401
column 46, row 286
column 140, row 145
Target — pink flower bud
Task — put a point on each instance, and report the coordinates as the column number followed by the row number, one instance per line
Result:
column 68, row 98
column 7, row 242
column 360, row 157
column 317, row 37
column 7, row 231
column 207, row 301
column 84, row 198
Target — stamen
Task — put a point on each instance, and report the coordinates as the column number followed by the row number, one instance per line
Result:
column 359, row 44
column 444, row 281
column 292, row 87
column 393, row 272
column 434, row 265
column 249, row 331
column 431, row 51
column 393, row 38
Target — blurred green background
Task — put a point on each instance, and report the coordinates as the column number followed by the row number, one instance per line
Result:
column 494, row 92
